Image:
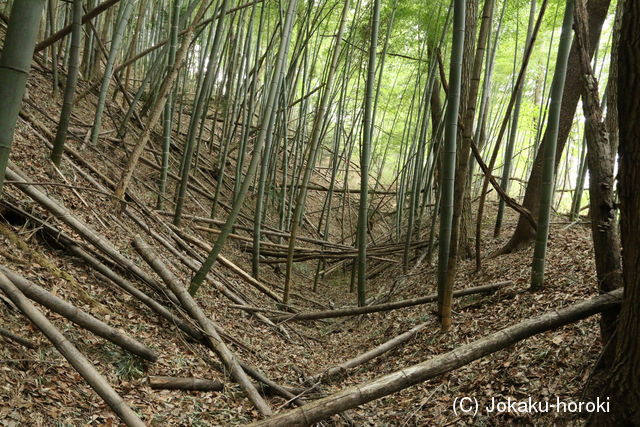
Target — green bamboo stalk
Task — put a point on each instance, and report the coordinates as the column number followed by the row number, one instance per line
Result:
column 15, row 63
column 274, row 89
column 124, row 13
column 557, row 88
column 508, row 153
column 449, row 161
column 197, row 114
column 314, row 142
column 70, row 87
column 365, row 156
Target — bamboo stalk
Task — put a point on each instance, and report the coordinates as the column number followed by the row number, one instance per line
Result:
column 461, row 356
column 78, row 316
column 68, row 350
column 195, row 311
column 353, row 311
column 179, row 383
column 17, row 338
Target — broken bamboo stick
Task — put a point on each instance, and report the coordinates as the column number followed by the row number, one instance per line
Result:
column 18, row 339
column 68, row 350
column 371, row 354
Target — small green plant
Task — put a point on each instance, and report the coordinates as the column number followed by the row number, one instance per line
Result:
column 128, row 366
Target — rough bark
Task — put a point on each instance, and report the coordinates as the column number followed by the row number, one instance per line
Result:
column 600, row 161
column 624, row 382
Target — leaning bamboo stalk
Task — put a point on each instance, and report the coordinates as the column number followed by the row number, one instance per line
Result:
column 287, row 393
column 82, row 229
column 77, row 316
column 230, row 265
column 180, row 383
column 68, row 350
column 461, row 356
column 66, row 30
column 194, row 309
column 353, row 311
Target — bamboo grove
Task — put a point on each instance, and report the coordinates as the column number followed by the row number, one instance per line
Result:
column 348, row 136
column 272, row 89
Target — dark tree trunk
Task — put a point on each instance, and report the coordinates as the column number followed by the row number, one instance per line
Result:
column 624, row 381
column 524, row 233
column 600, row 161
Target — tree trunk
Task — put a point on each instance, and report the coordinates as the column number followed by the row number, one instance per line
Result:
column 600, row 160
column 274, row 90
column 624, row 382
column 79, row 317
column 179, row 383
column 524, row 233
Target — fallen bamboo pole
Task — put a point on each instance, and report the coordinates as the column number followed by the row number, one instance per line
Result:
column 181, row 383
column 76, row 249
column 353, row 311
column 83, row 230
column 461, row 356
column 126, row 286
column 371, row 354
column 68, row 350
column 193, row 308
column 79, row 317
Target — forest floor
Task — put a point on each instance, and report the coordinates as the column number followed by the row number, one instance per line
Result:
column 38, row 387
